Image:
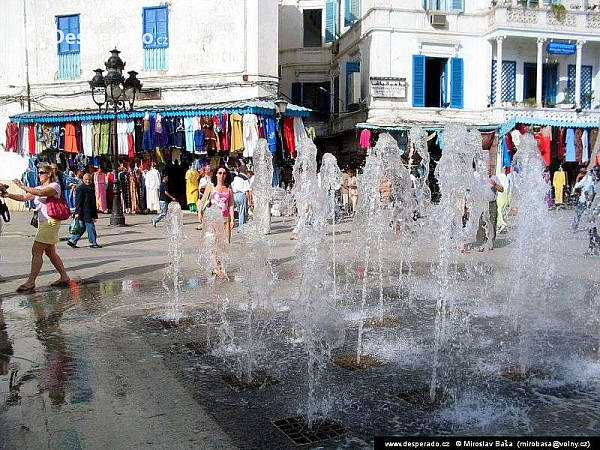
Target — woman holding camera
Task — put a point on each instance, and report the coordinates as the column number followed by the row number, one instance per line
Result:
column 48, row 228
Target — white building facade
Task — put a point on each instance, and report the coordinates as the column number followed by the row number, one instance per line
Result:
column 399, row 62
column 186, row 52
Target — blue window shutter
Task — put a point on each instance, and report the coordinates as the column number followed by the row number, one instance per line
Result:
column 351, row 12
column 493, row 92
column 156, row 24
column 571, row 84
column 297, row 94
column 330, row 19
column 62, row 25
column 456, row 83
column 458, row 5
column 351, row 67
column 162, row 27
column 418, row 85
column 74, row 29
column 325, row 98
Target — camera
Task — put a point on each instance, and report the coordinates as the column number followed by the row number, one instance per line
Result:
column 3, row 188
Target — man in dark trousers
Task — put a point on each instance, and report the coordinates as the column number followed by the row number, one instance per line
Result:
column 163, row 199
column 85, row 212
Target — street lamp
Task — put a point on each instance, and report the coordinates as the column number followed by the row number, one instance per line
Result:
column 114, row 92
column 321, row 88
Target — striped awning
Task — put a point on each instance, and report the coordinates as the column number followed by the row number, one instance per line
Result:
column 264, row 107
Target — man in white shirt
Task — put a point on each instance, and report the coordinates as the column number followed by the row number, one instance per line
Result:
column 489, row 194
column 241, row 192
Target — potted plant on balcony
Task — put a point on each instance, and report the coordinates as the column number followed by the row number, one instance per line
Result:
column 565, row 104
column 559, row 11
column 529, row 102
column 588, row 97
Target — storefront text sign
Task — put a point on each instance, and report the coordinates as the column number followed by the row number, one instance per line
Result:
column 388, row 87
column 560, row 48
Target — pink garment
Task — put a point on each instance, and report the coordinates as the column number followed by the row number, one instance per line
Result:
column 365, row 139
column 100, row 183
column 224, row 132
column 222, row 201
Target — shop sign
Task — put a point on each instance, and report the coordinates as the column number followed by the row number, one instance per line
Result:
column 560, row 48
column 390, row 87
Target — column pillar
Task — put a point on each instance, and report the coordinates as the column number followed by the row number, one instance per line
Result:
column 539, row 66
column 578, row 74
column 499, row 41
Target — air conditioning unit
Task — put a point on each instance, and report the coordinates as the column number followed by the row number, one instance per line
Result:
column 354, row 88
column 437, row 20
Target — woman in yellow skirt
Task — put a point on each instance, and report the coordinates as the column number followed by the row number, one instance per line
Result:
column 48, row 228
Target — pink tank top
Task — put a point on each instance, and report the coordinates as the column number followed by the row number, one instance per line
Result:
column 222, row 201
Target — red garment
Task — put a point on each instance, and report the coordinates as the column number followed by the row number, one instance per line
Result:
column 288, row 136
column 31, row 132
column 544, row 146
column 261, row 133
column 509, row 146
column 130, row 145
column 224, row 134
column 561, row 144
column 12, row 137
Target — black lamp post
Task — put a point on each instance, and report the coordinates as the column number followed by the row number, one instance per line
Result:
column 114, row 92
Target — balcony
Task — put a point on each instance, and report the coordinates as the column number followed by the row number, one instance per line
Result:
column 543, row 18
column 309, row 56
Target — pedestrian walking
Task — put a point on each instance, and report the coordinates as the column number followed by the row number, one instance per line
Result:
column 241, row 195
column 47, row 233
column 586, row 185
column 163, row 200
column 86, row 213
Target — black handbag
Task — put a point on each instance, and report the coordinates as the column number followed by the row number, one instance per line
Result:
column 34, row 220
column 4, row 212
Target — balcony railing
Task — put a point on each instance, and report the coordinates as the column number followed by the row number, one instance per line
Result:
column 519, row 16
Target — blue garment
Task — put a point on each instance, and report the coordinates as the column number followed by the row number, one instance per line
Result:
column 148, row 134
column 30, row 178
column 506, row 162
column 171, row 131
column 270, row 132
column 163, row 212
column 241, row 204
column 440, row 140
column 199, row 140
column 570, row 154
column 91, row 231
column 189, row 133
column 179, row 136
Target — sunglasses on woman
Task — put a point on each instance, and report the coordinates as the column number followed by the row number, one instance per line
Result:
column 42, row 172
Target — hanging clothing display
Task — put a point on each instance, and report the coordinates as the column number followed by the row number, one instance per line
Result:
column 12, row 137
column 104, row 145
column 288, row 135
column 122, row 145
column 585, row 150
column 70, row 144
column 250, row 124
column 571, row 152
column 299, row 130
column 559, row 181
column 152, row 181
column 188, row 124
column 87, row 134
column 225, row 142
column 237, row 135
column 100, row 185
column 192, row 178
column 365, row 139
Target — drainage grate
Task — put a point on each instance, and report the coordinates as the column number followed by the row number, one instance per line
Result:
column 383, row 322
column 299, row 432
column 348, row 362
column 260, row 379
column 422, row 399
column 180, row 323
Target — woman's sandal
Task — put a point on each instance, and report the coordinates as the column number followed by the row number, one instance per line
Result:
column 25, row 288
column 61, row 283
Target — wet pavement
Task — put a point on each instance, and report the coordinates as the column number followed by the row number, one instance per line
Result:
column 90, row 366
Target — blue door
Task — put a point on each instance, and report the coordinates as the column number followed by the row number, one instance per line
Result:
column 549, row 83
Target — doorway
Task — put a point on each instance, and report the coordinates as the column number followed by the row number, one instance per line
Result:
column 436, row 82
column 549, row 82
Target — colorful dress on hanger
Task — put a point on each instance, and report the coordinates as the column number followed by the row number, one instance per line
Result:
column 288, row 136
column 250, row 127
column 559, row 181
column 100, row 184
column 237, row 134
column 70, row 139
column 191, row 188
